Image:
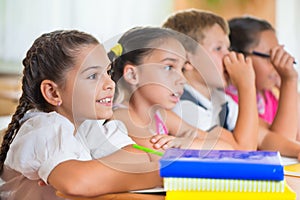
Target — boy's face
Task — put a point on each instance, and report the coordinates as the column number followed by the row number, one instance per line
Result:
column 216, row 43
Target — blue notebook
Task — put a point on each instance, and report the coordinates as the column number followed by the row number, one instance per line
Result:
column 222, row 164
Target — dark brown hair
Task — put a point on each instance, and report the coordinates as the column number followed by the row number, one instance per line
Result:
column 136, row 43
column 245, row 32
column 49, row 58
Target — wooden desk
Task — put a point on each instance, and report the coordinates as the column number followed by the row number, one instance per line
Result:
column 293, row 182
column 118, row 196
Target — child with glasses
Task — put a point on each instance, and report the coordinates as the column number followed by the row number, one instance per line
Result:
column 273, row 67
column 204, row 103
column 210, row 30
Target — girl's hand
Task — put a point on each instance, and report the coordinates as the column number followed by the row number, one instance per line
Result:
column 283, row 63
column 167, row 141
column 162, row 141
column 239, row 69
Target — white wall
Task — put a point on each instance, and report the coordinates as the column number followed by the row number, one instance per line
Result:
column 288, row 26
column 22, row 21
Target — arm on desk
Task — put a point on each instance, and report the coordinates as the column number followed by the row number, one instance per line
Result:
column 272, row 141
column 97, row 177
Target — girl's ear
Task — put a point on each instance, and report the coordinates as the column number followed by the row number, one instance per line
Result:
column 50, row 92
column 131, row 74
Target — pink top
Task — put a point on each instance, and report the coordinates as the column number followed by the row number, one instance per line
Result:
column 161, row 128
column 267, row 107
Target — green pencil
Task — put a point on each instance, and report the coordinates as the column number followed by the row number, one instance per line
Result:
column 147, row 150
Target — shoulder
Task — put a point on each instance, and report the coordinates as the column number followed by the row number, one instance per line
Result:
column 43, row 129
column 40, row 124
column 100, row 127
column 43, row 132
column 104, row 139
column 43, row 141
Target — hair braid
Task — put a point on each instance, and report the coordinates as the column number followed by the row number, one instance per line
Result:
column 50, row 56
column 12, row 130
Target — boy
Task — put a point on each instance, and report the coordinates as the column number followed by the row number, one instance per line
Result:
column 202, row 95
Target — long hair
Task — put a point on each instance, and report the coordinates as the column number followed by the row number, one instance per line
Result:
column 50, row 57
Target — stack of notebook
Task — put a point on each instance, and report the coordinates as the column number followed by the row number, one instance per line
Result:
column 223, row 174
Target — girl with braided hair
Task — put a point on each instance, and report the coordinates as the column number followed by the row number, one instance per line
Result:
column 53, row 136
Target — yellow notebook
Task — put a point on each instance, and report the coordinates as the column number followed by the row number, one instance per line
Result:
column 292, row 170
column 288, row 194
column 222, row 185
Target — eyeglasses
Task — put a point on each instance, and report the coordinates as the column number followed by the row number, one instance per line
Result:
column 263, row 55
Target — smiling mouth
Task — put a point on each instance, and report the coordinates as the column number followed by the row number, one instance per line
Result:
column 104, row 100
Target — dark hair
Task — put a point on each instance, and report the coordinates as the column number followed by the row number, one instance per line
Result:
column 136, row 43
column 245, row 32
column 50, row 57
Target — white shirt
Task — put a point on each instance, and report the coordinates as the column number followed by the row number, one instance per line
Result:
column 47, row 139
column 206, row 116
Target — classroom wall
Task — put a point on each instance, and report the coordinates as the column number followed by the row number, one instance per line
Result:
column 284, row 15
column 288, row 27
column 22, row 21
column 232, row 8
column 19, row 25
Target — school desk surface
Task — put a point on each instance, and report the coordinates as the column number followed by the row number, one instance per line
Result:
column 117, row 196
column 293, row 182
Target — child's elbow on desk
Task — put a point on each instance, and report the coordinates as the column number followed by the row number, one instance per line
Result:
column 81, row 178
